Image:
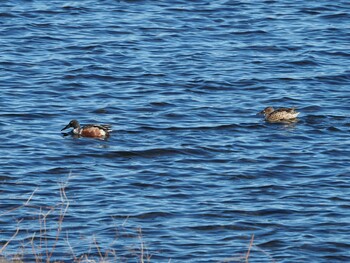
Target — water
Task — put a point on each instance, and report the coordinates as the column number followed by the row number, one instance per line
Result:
column 189, row 162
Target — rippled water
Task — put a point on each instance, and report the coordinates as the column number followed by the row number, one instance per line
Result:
column 189, row 162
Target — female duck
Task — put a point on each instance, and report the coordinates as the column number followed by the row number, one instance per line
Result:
column 282, row 114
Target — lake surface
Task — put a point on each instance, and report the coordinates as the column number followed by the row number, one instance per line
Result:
column 190, row 171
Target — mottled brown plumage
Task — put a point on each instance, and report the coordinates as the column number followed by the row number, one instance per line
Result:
column 281, row 114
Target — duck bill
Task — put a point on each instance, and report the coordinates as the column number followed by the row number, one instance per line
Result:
column 65, row 127
column 261, row 113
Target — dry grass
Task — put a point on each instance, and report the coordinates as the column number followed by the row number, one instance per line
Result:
column 249, row 249
column 43, row 249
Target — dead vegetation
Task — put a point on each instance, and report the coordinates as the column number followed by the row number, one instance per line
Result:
column 43, row 246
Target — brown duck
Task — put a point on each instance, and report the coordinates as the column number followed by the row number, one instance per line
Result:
column 279, row 115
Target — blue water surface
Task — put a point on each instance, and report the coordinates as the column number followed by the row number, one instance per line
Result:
column 190, row 173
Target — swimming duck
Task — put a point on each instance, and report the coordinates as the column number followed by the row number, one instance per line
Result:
column 281, row 114
column 89, row 130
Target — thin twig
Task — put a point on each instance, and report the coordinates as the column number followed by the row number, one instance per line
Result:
column 125, row 221
column 39, row 255
column 8, row 242
column 265, row 253
column 71, row 248
column 63, row 212
column 46, row 240
column 33, row 248
column 18, row 207
column 142, row 249
column 249, row 248
column 98, row 248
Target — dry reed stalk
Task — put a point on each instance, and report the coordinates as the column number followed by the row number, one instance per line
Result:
column 43, row 249
column 2, row 249
column 71, row 248
column 33, row 248
column 8, row 242
column 143, row 250
column 98, row 248
column 43, row 239
column 18, row 207
column 103, row 258
column 63, row 213
column 249, row 249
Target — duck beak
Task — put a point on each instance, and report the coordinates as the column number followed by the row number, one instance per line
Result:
column 261, row 112
column 68, row 126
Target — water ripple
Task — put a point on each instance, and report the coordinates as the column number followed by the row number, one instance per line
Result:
column 189, row 162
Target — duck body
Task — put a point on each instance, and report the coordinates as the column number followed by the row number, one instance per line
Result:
column 89, row 130
column 279, row 115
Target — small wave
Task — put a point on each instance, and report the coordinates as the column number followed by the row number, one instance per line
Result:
column 249, row 32
column 175, row 128
column 219, row 227
column 28, row 116
column 161, row 104
column 149, row 153
column 152, row 215
column 340, row 79
column 7, row 15
column 336, row 16
column 304, row 62
column 312, row 108
column 334, row 129
column 91, row 76
column 334, row 53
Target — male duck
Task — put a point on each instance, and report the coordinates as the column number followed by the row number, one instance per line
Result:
column 89, row 130
column 282, row 114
